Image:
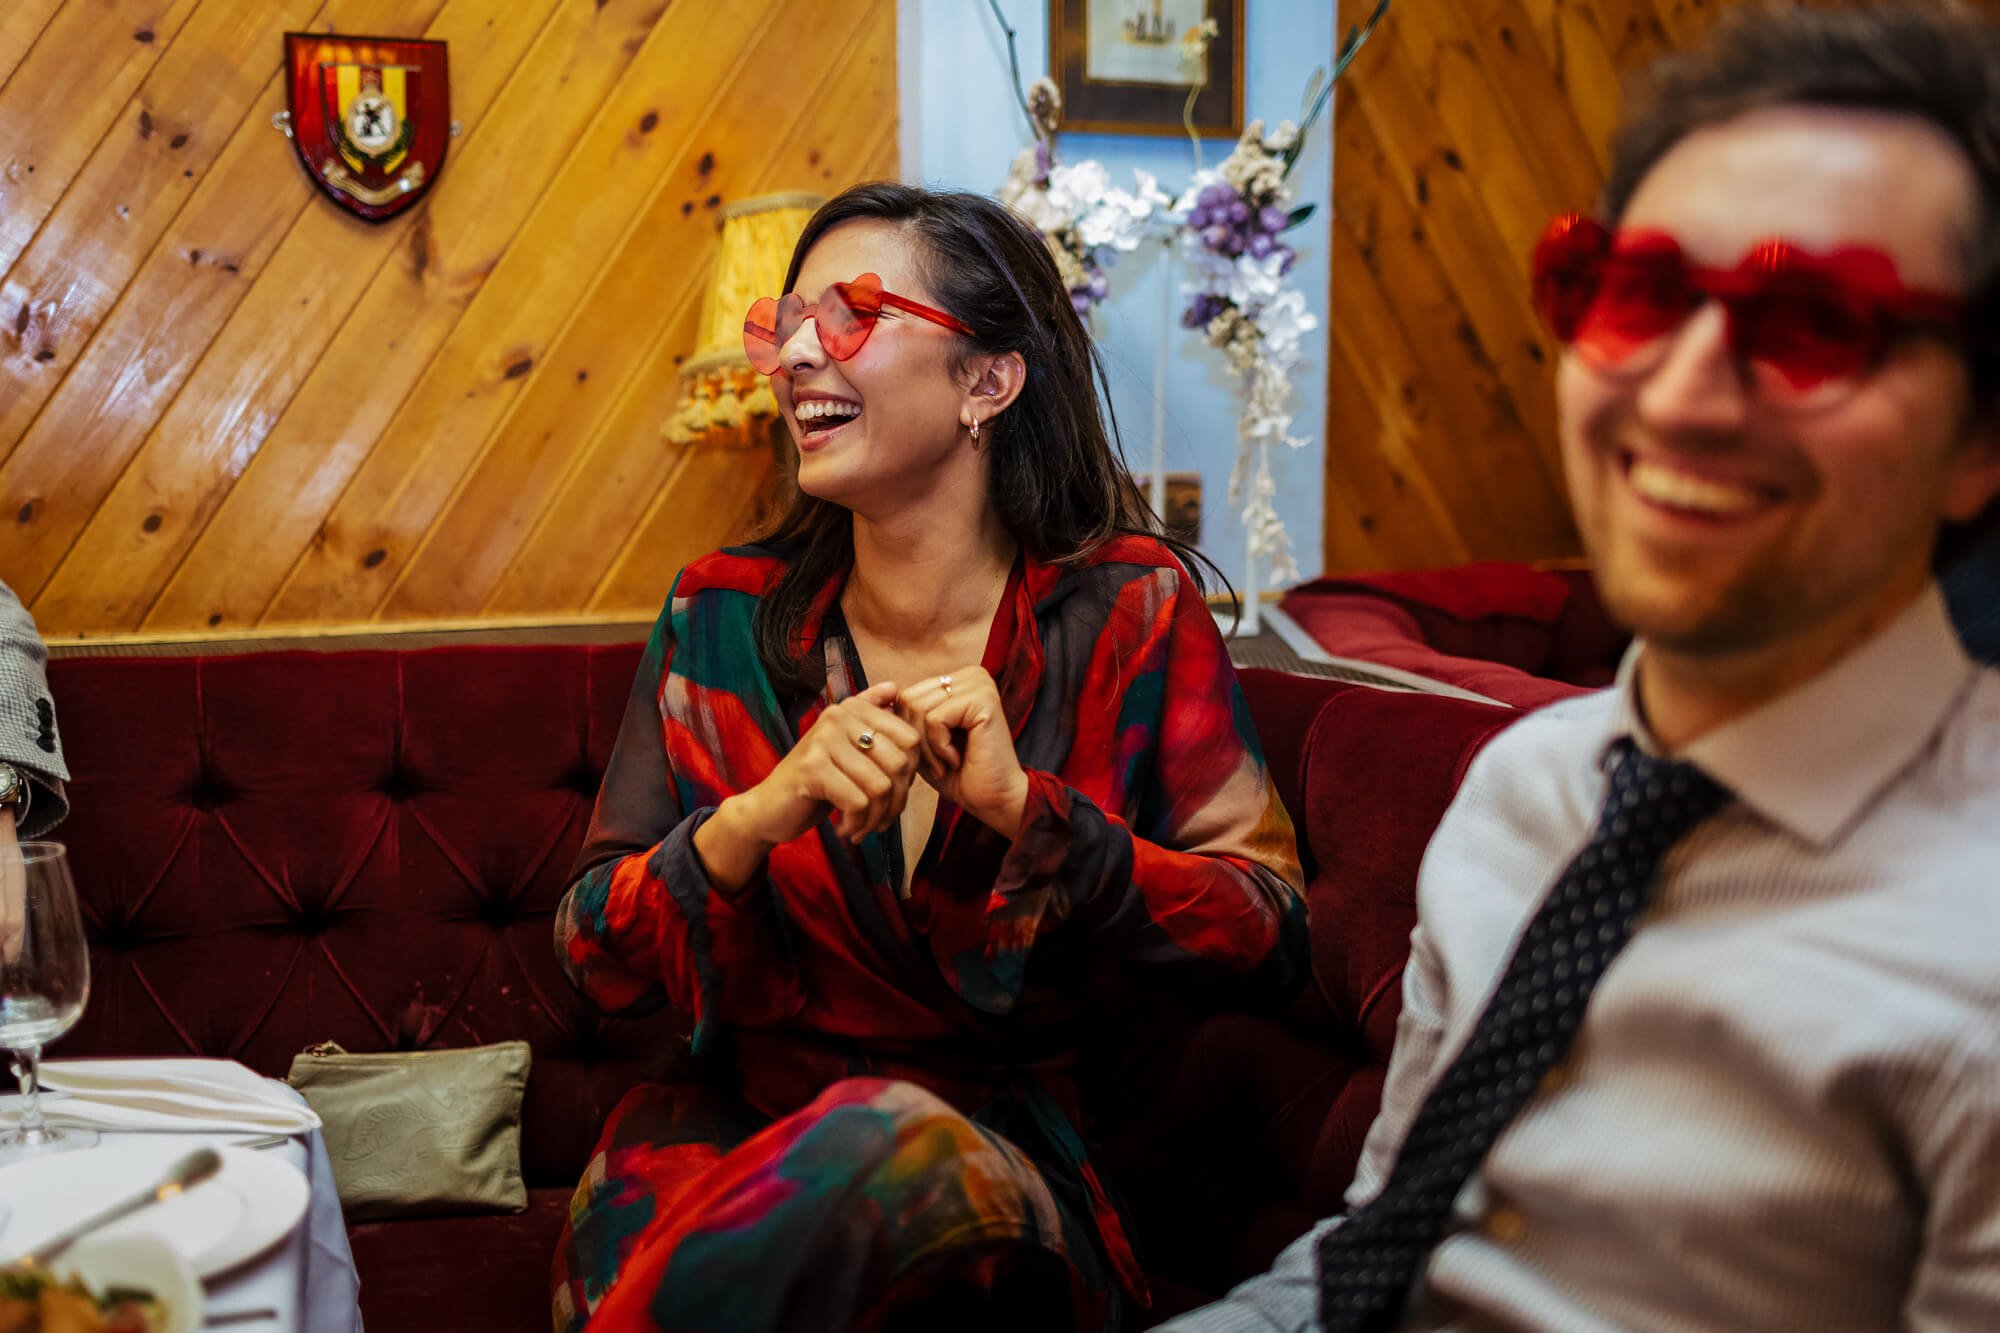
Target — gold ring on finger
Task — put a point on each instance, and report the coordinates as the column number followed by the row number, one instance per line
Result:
column 865, row 741
column 946, row 682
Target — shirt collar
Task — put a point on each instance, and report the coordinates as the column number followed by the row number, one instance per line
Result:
column 1813, row 759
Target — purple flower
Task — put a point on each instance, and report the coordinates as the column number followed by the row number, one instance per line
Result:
column 1217, row 195
column 1290, row 256
column 1080, row 301
column 1239, row 212
column 1099, row 285
column 1042, row 162
column 1260, row 245
column 1199, row 217
column 1272, row 218
column 1216, row 237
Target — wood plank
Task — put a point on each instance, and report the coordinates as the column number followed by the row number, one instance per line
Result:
column 1584, row 67
column 1531, row 91
column 162, row 326
column 1370, row 339
column 139, row 177
column 1487, row 270
column 246, row 376
column 468, row 548
column 511, row 327
column 21, row 25
column 278, row 511
column 65, row 95
column 1374, row 519
column 621, row 471
column 1489, row 463
column 699, row 510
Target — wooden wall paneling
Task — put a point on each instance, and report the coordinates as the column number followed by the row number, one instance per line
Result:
column 482, row 208
column 1439, row 179
column 135, row 183
column 1584, row 63
column 505, row 341
column 63, row 97
column 1485, row 464
column 244, row 375
column 620, row 471
column 672, row 246
column 1371, row 342
column 563, row 56
column 21, row 24
column 687, row 517
column 1528, row 90
column 157, row 332
column 1375, row 516
column 622, row 474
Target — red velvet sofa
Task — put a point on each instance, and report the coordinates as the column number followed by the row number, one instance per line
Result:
column 278, row 848
column 1510, row 632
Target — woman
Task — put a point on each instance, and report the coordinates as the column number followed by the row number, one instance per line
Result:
column 887, row 784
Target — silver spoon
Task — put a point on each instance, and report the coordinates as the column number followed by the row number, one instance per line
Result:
column 181, row 1177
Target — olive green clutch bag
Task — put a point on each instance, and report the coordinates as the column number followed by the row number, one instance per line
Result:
column 417, row 1133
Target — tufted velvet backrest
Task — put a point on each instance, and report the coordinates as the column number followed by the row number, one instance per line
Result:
column 282, row 848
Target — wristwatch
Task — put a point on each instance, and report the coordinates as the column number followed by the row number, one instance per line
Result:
column 13, row 788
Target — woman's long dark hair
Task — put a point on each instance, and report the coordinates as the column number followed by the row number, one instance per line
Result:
column 1057, row 473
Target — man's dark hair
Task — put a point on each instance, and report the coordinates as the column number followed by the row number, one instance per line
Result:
column 1939, row 61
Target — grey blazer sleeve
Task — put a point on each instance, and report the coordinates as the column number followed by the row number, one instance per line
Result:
column 28, row 717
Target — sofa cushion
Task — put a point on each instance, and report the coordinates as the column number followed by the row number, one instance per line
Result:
column 1508, row 631
column 1380, row 767
column 461, row 1272
column 279, row 849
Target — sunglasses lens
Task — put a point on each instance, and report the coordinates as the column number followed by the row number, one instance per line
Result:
column 846, row 317
column 760, row 336
column 1802, row 344
column 1641, row 297
column 1566, row 267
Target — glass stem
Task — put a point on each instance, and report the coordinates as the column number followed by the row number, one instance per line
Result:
column 28, row 1064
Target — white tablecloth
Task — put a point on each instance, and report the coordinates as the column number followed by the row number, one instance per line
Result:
column 308, row 1278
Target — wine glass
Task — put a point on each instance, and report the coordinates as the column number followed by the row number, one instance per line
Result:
column 44, row 980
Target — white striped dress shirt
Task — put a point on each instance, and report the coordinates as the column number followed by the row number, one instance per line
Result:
column 1783, row 1108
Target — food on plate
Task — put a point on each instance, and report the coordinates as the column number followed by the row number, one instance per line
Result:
column 34, row 1300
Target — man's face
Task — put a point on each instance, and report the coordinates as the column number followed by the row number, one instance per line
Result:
column 1720, row 525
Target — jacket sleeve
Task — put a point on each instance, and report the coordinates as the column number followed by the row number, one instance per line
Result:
column 1203, row 882
column 28, row 737
column 641, row 924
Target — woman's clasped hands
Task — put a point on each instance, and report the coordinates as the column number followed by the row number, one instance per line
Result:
column 857, row 761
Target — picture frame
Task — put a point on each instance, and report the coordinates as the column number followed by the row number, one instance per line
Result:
column 1118, row 65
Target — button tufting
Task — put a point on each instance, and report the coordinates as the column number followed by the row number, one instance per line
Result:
column 210, row 792
column 400, row 785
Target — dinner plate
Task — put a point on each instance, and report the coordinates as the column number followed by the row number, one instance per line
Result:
column 253, row 1202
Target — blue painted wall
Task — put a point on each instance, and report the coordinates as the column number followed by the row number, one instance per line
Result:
column 961, row 128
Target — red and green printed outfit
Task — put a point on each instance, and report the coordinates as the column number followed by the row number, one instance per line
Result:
column 893, row 1127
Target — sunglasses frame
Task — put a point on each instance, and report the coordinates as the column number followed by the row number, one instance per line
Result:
column 764, row 338
column 1574, row 252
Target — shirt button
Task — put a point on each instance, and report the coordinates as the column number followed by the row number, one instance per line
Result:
column 1506, row 1225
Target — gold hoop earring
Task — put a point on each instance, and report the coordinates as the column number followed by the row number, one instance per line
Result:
column 975, row 432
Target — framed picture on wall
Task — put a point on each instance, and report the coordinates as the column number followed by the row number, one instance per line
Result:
column 1122, row 66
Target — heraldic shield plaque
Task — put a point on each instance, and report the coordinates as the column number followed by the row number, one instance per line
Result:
column 370, row 117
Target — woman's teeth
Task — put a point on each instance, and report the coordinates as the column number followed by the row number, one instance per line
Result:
column 826, row 410
column 1703, row 495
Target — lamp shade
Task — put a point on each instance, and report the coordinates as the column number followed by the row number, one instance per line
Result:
column 718, row 388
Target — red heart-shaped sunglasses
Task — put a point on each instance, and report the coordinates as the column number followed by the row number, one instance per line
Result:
column 1805, row 329
column 845, row 315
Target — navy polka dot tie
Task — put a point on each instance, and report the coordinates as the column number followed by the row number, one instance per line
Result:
column 1369, row 1262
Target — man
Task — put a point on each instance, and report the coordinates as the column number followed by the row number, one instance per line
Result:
column 1700, row 1014
column 31, row 763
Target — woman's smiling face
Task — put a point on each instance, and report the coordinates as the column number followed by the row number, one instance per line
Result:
column 884, row 426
